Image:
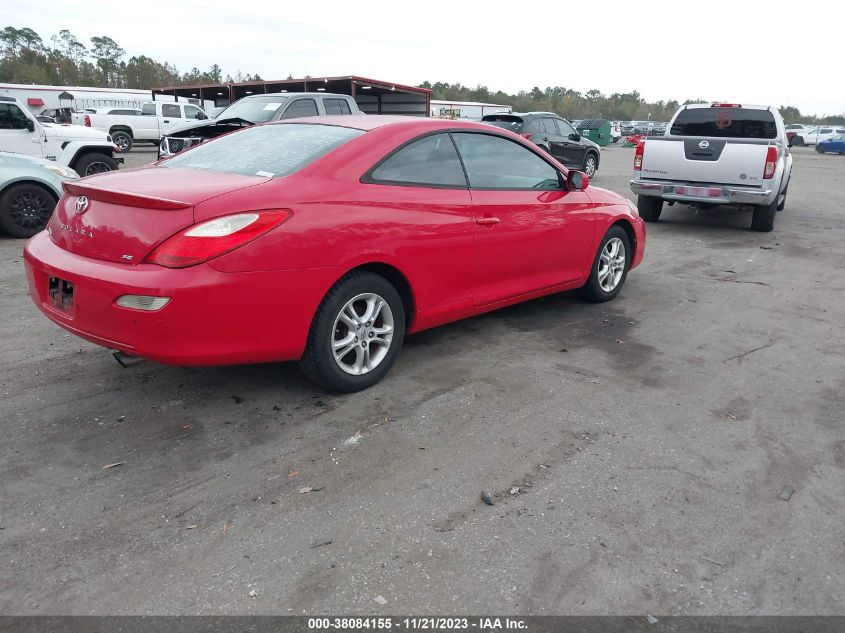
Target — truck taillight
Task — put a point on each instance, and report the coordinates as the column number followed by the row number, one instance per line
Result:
column 638, row 156
column 726, row 105
column 87, row 121
column 771, row 163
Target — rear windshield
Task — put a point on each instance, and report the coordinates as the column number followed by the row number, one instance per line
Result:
column 265, row 150
column 725, row 122
column 512, row 123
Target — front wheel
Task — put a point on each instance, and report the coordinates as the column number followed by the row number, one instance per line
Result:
column 356, row 334
column 649, row 207
column 763, row 219
column 610, row 266
column 590, row 165
column 95, row 163
column 25, row 209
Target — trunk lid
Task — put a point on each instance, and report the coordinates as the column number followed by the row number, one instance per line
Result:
column 128, row 213
column 705, row 160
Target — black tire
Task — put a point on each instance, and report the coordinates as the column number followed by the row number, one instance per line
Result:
column 25, row 209
column 616, row 139
column 649, row 207
column 763, row 219
column 593, row 290
column 591, row 164
column 94, row 163
column 782, row 204
column 123, row 140
column 318, row 362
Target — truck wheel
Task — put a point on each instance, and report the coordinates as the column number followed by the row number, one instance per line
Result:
column 25, row 209
column 649, row 208
column 123, row 140
column 95, row 163
column 782, row 198
column 764, row 217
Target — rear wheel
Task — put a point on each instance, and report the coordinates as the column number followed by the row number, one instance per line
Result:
column 763, row 219
column 25, row 209
column 782, row 198
column 123, row 140
column 590, row 165
column 610, row 266
column 356, row 334
column 94, row 163
column 649, row 207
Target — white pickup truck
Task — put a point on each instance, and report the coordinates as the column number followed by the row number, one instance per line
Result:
column 84, row 150
column 154, row 120
column 723, row 153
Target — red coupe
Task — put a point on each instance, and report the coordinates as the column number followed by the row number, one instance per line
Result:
column 323, row 240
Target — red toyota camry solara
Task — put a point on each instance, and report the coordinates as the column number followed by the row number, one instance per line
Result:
column 323, row 240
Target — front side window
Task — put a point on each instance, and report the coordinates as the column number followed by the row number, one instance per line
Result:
column 429, row 161
column 11, row 117
column 301, row 108
column 264, row 150
column 565, row 128
column 493, row 162
column 171, row 110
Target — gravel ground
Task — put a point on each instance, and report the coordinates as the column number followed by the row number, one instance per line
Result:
column 636, row 450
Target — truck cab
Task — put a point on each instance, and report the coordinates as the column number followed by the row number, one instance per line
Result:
column 84, row 150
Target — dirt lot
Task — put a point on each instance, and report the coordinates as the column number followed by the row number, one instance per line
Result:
column 636, row 450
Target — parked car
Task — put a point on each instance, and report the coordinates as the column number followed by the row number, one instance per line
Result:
column 150, row 123
column 61, row 115
column 84, row 150
column 628, row 128
column 258, row 109
column 816, row 135
column 728, row 154
column 324, row 240
column 616, row 131
column 834, row 145
column 29, row 190
column 659, row 128
column 554, row 135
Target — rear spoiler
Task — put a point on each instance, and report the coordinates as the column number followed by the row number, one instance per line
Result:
column 115, row 196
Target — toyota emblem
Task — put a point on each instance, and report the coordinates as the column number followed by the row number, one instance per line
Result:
column 81, row 205
column 702, row 145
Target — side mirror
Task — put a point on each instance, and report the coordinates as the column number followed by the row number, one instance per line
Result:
column 577, row 181
column 574, row 137
column 30, row 125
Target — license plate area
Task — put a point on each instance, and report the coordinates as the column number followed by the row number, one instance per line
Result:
column 699, row 192
column 60, row 293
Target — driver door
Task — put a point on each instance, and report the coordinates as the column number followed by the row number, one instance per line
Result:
column 15, row 137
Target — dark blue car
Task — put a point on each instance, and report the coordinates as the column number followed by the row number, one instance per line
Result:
column 836, row 145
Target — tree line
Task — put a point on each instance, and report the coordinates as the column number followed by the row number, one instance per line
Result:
column 26, row 58
column 571, row 104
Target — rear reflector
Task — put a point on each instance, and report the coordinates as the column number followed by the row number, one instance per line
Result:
column 142, row 302
column 771, row 163
column 638, row 156
column 87, row 121
column 213, row 238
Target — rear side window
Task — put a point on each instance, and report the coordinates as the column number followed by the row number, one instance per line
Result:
column 171, row 110
column 549, row 126
column 264, row 150
column 493, row 162
column 148, row 109
column 301, row 108
column 725, row 123
column 506, row 122
column 429, row 161
column 336, row 106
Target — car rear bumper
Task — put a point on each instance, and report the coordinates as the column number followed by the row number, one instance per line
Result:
column 713, row 194
column 212, row 318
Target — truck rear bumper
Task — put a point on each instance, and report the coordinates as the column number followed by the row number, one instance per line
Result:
column 713, row 194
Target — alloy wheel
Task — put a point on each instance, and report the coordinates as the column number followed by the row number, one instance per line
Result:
column 611, row 264
column 362, row 334
column 30, row 210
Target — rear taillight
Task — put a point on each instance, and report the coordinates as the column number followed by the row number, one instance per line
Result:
column 211, row 239
column 526, row 135
column 771, row 163
column 638, row 156
column 87, row 121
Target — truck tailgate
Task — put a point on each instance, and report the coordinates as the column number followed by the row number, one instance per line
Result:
column 705, row 160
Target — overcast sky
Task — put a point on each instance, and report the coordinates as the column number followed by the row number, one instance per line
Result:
column 737, row 51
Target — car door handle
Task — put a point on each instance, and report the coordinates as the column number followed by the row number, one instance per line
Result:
column 166, row 121
column 487, row 220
